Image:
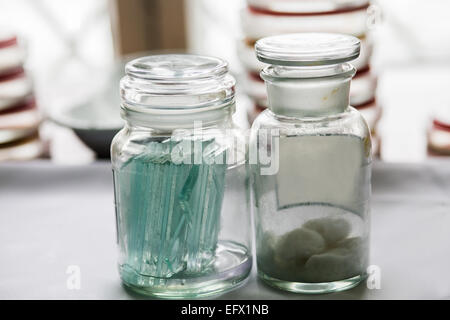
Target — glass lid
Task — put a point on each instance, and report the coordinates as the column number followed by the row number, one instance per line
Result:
column 176, row 67
column 307, row 49
column 177, row 81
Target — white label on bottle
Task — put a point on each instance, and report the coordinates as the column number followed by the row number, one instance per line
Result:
column 320, row 169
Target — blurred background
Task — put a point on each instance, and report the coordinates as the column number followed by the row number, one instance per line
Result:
column 61, row 61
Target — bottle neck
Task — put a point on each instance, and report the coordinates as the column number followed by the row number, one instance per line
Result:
column 308, row 91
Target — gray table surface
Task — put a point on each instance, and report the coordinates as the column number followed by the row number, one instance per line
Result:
column 53, row 217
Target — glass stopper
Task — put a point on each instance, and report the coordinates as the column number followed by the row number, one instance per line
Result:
column 307, row 49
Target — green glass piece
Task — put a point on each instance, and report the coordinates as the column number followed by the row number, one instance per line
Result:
column 170, row 211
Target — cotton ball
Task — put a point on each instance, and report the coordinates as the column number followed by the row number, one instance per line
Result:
column 290, row 253
column 298, row 245
column 342, row 262
column 266, row 246
column 352, row 244
column 268, row 239
column 269, row 264
column 357, row 248
column 325, row 267
column 331, row 229
column 266, row 253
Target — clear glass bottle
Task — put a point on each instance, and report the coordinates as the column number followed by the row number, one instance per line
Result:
column 311, row 165
column 181, row 176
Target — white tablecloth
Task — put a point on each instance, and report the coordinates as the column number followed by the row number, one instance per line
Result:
column 53, row 217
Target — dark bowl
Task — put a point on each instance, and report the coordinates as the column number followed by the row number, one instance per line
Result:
column 97, row 140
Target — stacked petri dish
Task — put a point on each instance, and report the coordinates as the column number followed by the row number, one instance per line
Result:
column 262, row 18
column 19, row 116
column 439, row 134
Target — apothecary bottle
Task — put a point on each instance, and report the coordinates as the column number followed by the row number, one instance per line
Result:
column 311, row 176
column 181, row 176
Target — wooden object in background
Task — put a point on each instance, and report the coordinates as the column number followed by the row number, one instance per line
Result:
column 142, row 25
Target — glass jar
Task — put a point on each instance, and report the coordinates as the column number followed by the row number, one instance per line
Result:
column 310, row 154
column 181, row 176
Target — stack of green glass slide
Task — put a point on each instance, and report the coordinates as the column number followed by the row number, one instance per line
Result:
column 168, row 210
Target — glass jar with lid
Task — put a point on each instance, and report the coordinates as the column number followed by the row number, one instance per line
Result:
column 311, row 166
column 181, row 176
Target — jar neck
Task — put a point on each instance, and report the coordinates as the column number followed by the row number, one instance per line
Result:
column 308, row 91
column 168, row 120
column 170, row 92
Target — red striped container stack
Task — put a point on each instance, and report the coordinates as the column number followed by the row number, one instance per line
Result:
column 19, row 116
column 262, row 18
column 439, row 134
